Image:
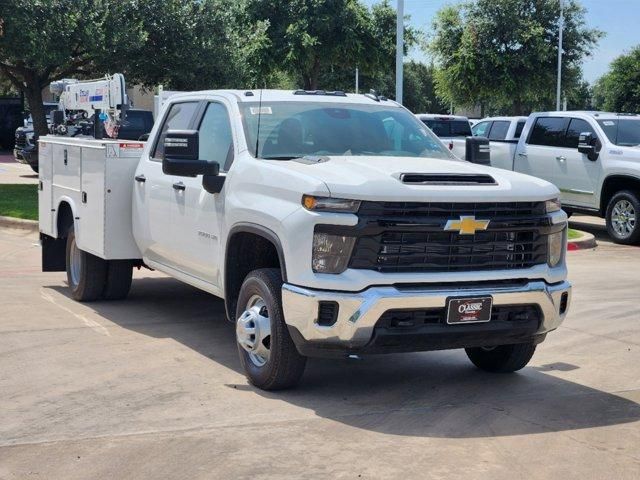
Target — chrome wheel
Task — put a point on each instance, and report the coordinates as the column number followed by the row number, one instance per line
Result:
column 253, row 331
column 75, row 263
column 623, row 218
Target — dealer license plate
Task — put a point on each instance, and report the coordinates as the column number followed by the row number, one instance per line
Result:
column 469, row 310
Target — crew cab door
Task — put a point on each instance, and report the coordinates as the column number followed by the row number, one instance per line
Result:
column 154, row 195
column 578, row 176
column 551, row 152
column 537, row 154
column 197, row 214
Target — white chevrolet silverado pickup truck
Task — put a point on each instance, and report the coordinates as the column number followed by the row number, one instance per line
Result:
column 592, row 157
column 331, row 225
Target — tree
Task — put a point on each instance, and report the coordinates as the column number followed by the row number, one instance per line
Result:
column 320, row 42
column 43, row 41
column 420, row 90
column 619, row 89
column 504, row 52
column 187, row 44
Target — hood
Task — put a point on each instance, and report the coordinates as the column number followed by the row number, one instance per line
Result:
column 378, row 178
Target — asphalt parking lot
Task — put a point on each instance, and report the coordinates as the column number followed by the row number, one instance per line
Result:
column 151, row 387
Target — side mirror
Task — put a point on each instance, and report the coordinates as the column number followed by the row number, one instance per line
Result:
column 477, row 150
column 181, row 153
column 587, row 144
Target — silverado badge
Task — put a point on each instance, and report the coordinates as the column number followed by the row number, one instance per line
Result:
column 467, row 225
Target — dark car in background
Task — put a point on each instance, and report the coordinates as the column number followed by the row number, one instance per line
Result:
column 136, row 124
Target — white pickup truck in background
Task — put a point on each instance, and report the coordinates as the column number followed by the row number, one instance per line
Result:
column 331, row 224
column 453, row 131
column 592, row 157
column 503, row 134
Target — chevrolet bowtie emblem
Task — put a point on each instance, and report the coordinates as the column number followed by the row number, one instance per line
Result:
column 467, row 225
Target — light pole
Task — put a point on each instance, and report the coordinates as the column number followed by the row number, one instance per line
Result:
column 558, row 86
column 399, row 49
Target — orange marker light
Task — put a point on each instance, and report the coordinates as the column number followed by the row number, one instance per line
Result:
column 309, row 202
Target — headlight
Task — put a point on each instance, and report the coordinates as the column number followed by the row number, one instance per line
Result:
column 553, row 205
column 331, row 253
column 556, row 247
column 327, row 204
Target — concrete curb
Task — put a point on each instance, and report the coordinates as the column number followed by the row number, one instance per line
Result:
column 19, row 223
column 586, row 240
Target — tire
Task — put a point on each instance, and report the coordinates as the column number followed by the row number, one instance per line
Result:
column 274, row 362
column 87, row 279
column 34, row 168
column 623, row 218
column 502, row 359
column 118, row 279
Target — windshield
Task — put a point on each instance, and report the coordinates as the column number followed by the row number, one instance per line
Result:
column 624, row 133
column 296, row 129
column 444, row 127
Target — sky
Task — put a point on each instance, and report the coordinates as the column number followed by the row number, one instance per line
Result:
column 619, row 19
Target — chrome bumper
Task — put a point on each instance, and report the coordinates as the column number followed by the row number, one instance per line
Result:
column 359, row 312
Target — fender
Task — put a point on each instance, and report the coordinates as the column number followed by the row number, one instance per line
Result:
column 261, row 231
column 255, row 229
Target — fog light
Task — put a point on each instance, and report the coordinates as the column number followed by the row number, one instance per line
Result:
column 331, row 253
column 556, row 247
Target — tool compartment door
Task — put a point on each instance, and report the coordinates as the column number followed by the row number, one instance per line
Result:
column 91, row 224
column 45, row 195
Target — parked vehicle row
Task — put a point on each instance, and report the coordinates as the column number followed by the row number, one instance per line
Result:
column 332, row 224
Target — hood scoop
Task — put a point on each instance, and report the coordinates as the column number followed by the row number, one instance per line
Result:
column 464, row 179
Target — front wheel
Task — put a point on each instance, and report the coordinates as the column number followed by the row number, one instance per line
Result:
column 267, row 352
column 503, row 358
column 623, row 214
column 86, row 273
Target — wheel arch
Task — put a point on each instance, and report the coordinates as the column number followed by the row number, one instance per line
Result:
column 615, row 183
column 265, row 252
column 65, row 216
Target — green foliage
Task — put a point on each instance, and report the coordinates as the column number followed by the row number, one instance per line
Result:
column 319, row 43
column 504, row 52
column 619, row 89
column 420, row 90
column 185, row 44
column 19, row 201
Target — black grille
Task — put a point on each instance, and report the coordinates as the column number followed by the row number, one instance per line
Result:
column 410, row 237
column 402, row 319
column 21, row 140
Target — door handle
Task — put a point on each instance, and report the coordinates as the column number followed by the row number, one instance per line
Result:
column 561, row 158
column 140, row 178
column 522, row 154
column 179, row 186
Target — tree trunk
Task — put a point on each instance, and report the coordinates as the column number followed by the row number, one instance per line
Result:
column 33, row 93
column 517, row 107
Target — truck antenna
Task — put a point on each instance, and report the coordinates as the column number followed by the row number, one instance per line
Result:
column 259, row 117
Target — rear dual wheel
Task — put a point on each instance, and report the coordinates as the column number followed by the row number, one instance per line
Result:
column 92, row 278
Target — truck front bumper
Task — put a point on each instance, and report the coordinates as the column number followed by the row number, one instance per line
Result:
column 523, row 312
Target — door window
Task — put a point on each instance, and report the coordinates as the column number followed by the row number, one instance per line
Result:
column 178, row 118
column 519, row 128
column 576, row 127
column 548, row 131
column 215, row 139
column 481, row 129
column 499, row 130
